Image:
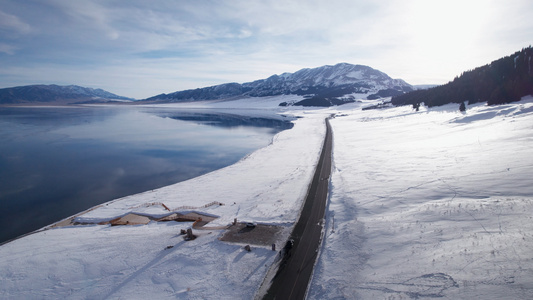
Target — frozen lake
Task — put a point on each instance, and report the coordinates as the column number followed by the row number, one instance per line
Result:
column 55, row 162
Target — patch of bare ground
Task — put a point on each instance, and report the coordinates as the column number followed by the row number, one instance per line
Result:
column 263, row 235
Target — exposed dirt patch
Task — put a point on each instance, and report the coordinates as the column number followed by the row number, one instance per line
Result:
column 264, row 235
column 130, row 219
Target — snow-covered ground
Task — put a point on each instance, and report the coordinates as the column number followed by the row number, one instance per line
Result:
column 430, row 204
column 135, row 262
column 425, row 204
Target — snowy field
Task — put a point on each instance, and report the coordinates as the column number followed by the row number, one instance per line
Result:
column 430, row 204
column 427, row 204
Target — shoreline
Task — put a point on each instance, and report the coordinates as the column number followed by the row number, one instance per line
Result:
column 267, row 187
column 53, row 220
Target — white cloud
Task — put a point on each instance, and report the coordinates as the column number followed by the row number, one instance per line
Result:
column 173, row 45
column 13, row 24
column 89, row 13
column 7, row 49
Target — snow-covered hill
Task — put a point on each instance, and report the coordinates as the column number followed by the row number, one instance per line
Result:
column 56, row 93
column 325, row 82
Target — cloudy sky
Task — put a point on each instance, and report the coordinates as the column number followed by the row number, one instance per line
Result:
column 141, row 48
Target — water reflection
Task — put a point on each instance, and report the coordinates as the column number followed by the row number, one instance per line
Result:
column 231, row 121
column 55, row 162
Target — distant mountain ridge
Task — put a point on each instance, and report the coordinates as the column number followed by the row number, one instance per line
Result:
column 326, row 82
column 56, row 94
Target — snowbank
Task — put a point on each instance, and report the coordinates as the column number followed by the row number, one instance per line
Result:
column 430, row 204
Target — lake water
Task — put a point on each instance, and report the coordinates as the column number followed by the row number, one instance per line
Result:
column 56, row 162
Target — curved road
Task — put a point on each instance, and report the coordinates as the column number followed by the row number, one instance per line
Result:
column 296, row 267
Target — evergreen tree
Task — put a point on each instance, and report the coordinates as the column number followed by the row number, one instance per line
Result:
column 505, row 80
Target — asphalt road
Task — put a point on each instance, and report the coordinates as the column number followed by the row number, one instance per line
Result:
column 296, row 267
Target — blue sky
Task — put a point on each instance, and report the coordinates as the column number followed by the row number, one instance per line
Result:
column 140, row 48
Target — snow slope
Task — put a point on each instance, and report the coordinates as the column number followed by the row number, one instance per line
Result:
column 430, row 204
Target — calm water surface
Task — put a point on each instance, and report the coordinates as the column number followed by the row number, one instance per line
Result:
column 55, row 162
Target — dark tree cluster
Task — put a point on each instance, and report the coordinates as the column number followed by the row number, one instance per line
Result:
column 505, row 80
column 321, row 101
column 385, row 93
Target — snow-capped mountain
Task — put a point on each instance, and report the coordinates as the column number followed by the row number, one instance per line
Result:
column 55, row 93
column 308, row 81
column 323, row 82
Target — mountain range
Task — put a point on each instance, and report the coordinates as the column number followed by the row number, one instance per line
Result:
column 322, row 86
column 55, row 94
column 504, row 80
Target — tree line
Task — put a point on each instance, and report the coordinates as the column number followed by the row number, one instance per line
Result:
column 503, row 81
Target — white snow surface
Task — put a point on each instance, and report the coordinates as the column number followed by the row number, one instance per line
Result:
column 428, row 204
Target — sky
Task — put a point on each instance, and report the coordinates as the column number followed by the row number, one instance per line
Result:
column 140, row 48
